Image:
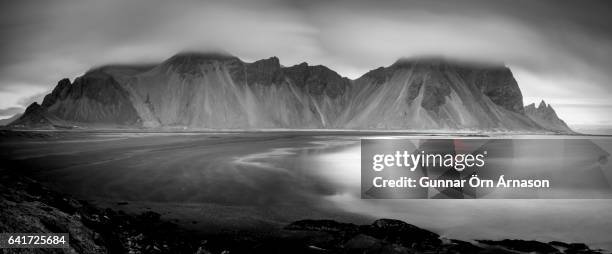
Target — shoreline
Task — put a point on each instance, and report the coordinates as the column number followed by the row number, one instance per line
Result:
column 7, row 132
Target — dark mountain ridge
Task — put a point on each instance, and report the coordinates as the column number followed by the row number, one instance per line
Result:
column 546, row 116
column 220, row 91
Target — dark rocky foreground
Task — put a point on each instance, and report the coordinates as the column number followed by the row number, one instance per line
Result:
column 28, row 206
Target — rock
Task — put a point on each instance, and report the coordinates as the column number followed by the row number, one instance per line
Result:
column 400, row 232
column 392, row 235
column 574, row 248
column 28, row 206
column 523, row 246
column 458, row 246
column 364, row 243
column 323, row 225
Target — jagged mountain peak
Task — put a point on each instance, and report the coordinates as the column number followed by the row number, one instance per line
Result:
column 542, row 108
column 317, row 79
column 313, row 69
column 35, row 116
column 32, row 108
column 545, row 115
column 269, row 61
column 51, row 98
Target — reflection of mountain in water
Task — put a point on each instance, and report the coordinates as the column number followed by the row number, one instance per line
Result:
column 195, row 90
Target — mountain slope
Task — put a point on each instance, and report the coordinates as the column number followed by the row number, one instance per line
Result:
column 437, row 94
column 219, row 91
column 35, row 116
column 546, row 117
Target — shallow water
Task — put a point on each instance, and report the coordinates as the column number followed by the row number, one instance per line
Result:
column 275, row 178
column 337, row 161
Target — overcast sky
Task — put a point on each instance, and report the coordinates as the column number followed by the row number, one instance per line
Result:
column 559, row 51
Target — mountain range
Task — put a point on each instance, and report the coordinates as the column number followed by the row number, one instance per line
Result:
column 220, row 91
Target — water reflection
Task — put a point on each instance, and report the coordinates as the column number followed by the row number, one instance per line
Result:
column 542, row 219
